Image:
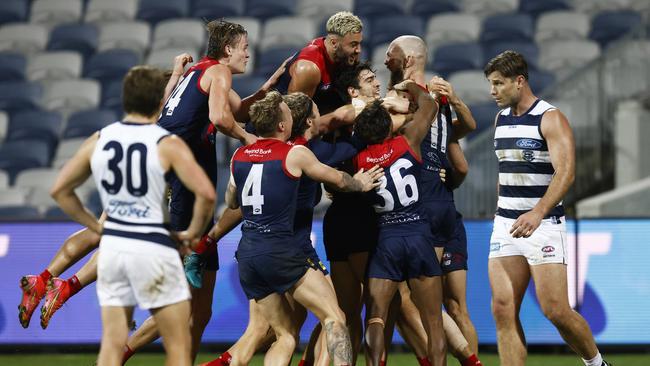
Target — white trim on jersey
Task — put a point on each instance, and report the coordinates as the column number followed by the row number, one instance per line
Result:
column 517, row 132
column 140, row 228
column 517, row 203
column 524, row 179
column 541, row 107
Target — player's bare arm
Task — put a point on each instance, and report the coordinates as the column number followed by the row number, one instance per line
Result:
column 464, row 122
column 177, row 72
column 459, row 164
column 561, row 147
column 305, row 77
column 231, row 194
column 174, row 154
column 302, row 160
column 73, row 174
column 422, row 118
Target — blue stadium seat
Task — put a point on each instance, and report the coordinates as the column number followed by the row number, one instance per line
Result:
column 215, row 9
column 55, row 213
column 536, row 7
column 13, row 66
column 265, row 9
column 508, row 27
column 94, row 203
column 456, row 57
column 373, row 8
column 540, row 80
column 36, row 125
column 16, row 95
column 16, row 156
column 19, row 213
column 529, row 50
column 247, row 85
column 13, row 11
column 154, row 11
column 110, row 64
column 269, row 60
column 427, row 8
column 85, row 123
column 82, row 38
column 611, row 25
column 484, row 114
column 112, row 96
column 387, row 28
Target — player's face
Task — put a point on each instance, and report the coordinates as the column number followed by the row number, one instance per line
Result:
column 239, row 55
column 286, row 121
column 504, row 91
column 312, row 119
column 368, row 84
column 348, row 49
column 395, row 61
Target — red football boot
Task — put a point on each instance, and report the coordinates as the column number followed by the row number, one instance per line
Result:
column 33, row 291
column 58, row 292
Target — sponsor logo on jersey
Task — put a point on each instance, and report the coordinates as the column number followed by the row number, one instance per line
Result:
column 380, row 159
column 528, row 144
column 126, row 209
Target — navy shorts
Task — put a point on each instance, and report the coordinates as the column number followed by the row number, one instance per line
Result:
column 454, row 258
column 399, row 258
column 442, row 217
column 262, row 275
column 349, row 229
column 314, row 260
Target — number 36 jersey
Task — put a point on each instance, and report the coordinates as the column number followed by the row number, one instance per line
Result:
column 267, row 195
column 397, row 199
column 131, row 181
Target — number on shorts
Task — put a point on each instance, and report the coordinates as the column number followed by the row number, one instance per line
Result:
column 175, row 99
column 252, row 192
column 402, row 185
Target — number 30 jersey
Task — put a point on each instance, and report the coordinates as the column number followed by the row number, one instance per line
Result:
column 267, row 195
column 131, row 181
column 397, row 199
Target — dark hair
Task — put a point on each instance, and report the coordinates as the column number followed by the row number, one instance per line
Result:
column 373, row 124
column 509, row 63
column 349, row 77
column 142, row 90
column 221, row 34
column 301, row 107
column 266, row 114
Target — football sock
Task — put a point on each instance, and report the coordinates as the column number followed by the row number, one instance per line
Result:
column 74, row 284
column 46, row 275
column 596, row 361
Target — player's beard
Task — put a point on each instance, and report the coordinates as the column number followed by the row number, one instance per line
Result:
column 396, row 77
column 341, row 59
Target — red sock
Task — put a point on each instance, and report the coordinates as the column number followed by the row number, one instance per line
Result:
column 424, row 361
column 74, row 284
column 46, row 275
column 128, row 352
column 205, row 245
column 305, row 363
column 471, row 361
column 382, row 363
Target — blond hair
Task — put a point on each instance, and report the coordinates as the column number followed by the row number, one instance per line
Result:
column 266, row 114
column 343, row 23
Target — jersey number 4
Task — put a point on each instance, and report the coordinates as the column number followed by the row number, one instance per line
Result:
column 402, row 186
column 175, row 99
column 131, row 170
column 251, row 194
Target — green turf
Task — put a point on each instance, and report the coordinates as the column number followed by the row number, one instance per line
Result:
column 400, row 359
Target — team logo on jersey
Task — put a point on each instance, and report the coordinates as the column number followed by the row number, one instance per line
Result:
column 529, row 155
column 528, row 144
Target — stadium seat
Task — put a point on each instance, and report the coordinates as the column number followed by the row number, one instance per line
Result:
column 629, row 76
column 484, row 115
column 374, row 8
column 36, row 178
column 102, row 11
column 471, row 86
column 66, row 149
column 69, row 96
column 134, row 36
column 611, row 25
column 85, row 123
column 154, row 11
column 457, row 57
column 537, row 7
column 23, row 38
column 52, row 12
column 528, row 49
column 319, row 10
column 287, row 32
column 164, row 58
column 508, row 28
column 82, row 38
column 36, row 125
column 427, row 8
column 216, row 9
column 110, row 64
column 55, row 213
column 179, row 33
column 593, row 7
column 452, row 28
column 16, row 156
column 387, row 28
column 247, row 85
column 112, row 96
column 13, row 196
column 562, row 25
column 269, row 60
column 564, row 57
column 16, row 95
column 264, row 9
column 55, row 65
column 19, row 213
column 4, row 125
column 4, row 180
column 540, row 80
column 253, row 27
column 13, row 66
column 486, row 8
column 13, row 11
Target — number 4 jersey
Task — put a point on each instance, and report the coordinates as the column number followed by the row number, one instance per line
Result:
column 131, row 181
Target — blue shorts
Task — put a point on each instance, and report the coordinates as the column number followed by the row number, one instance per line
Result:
column 442, row 217
column 399, row 258
column 454, row 257
column 314, row 260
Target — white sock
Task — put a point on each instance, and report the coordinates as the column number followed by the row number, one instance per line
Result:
column 596, row 361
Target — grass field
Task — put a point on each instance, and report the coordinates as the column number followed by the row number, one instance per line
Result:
column 401, row 359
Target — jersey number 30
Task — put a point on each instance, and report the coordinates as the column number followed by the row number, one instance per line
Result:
column 401, row 185
column 118, row 177
column 251, row 194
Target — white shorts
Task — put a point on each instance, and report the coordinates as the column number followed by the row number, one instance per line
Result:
column 131, row 272
column 547, row 244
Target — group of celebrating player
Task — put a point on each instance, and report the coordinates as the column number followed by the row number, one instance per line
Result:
column 394, row 239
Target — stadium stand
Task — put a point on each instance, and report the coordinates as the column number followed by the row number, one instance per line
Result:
column 562, row 25
column 112, row 64
column 178, row 33
column 214, row 9
column 428, row 8
column 452, row 28
column 374, row 8
column 13, row 11
column 54, row 12
column 4, row 125
column 23, row 37
column 153, row 11
column 85, row 123
column 16, row 156
column 101, row 11
column 69, row 96
column 13, row 66
column 135, row 36
column 16, row 95
column 82, row 38
column 287, row 32
column 264, row 9
column 388, row 27
column 456, row 57
column 56, row 65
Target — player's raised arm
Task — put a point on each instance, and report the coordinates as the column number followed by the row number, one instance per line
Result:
column 73, row 174
column 219, row 104
column 464, row 123
column 177, row 72
column 305, row 77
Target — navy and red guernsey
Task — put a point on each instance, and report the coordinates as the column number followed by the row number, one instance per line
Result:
column 434, row 156
column 397, row 200
column 267, row 195
column 326, row 97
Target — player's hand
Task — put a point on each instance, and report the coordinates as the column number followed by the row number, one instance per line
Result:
column 179, row 63
column 443, row 175
column 403, row 86
column 369, row 179
column 270, row 83
column 442, row 87
column 249, row 138
column 396, row 104
column 186, row 240
column 526, row 224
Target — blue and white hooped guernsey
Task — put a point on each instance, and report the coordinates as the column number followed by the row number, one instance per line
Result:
column 525, row 169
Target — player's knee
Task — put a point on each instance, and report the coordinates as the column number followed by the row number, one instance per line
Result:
column 503, row 310
column 454, row 308
column 287, row 340
column 556, row 312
